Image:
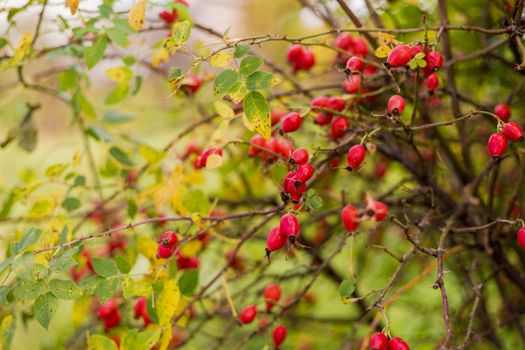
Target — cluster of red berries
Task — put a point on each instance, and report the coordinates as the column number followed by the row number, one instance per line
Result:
column 497, row 144
column 287, row 230
column 168, row 247
column 294, row 183
column 168, row 17
column 140, row 311
column 352, row 45
column 271, row 294
column 110, row 314
column 339, row 125
column 379, row 341
column 300, row 58
column 351, row 215
column 269, row 150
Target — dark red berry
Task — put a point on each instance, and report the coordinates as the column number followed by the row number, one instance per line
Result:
column 319, row 101
column 396, row 105
column 256, row 144
column 513, row 131
column 502, row 111
column 378, row 341
column 299, row 156
column 289, row 225
column 354, row 65
column 434, row 61
column 350, row 217
column 168, row 238
column 279, row 335
column 272, row 294
column 276, row 116
column 335, row 103
column 356, row 155
column 304, row 172
column 307, row 61
column 432, row 82
column 399, row 56
column 291, row 122
column 497, row 145
column 295, row 53
column 352, row 84
column 248, row 314
column 339, row 127
column 397, row 344
column 360, row 47
column 344, row 41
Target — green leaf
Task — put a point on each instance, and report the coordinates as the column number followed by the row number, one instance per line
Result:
column 120, row 156
column 260, row 80
column 225, row 81
column 181, row 32
column 122, row 264
column 6, row 263
column 71, row 203
column 116, row 117
column 90, row 284
column 134, row 340
column 94, row 53
column 3, row 42
column 3, row 295
column 258, row 113
column 44, row 309
column 99, row 134
column 80, row 181
column 62, row 264
column 106, row 288
column 250, row 64
column 64, row 289
column 189, row 281
column 82, row 105
column 104, row 267
column 195, row 201
column 68, row 79
column 117, row 94
column 101, row 342
column 346, row 289
column 28, row 239
column 120, row 32
column 29, row 290
column 241, row 50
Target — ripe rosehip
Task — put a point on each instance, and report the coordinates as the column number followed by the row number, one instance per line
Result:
column 323, row 118
column 288, row 181
column 335, row 103
column 291, row 122
column 140, row 310
column 434, row 61
column 168, row 238
column 397, row 344
column 378, row 341
column 168, row 17
column 354, row 65
column 289, row 225
column 187, row 263
column 339, row 127
column 344, row 41
column 352, row 84
column 204, row 156
column 276, row 116
column 296, row 191
column 110, row 314
column 304, row 173
column 256, row 143
column 521, row 238
column 299, row 156
column 513, row 131
column 274, row 241
column 356, row 155
column 414, row 50
column 502, row 111
column 497, row 145
column 399, row 56
column 295, row 53
column 350, row 217
column 279, row 335
column 307, row 61
column 360, row 47
column 396, row 105
column 377, row 209
column 164, row 252
column 272, row 294
column 432, row 82
column 248, row 314
column 319, row 101
column 193, row 83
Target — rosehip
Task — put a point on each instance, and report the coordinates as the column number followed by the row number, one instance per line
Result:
column 256, row 143
column 248, row 314
column 352, row 84
column 350, row 217
column 295, row 53
column 396, row 105
column 497, row 145
column 339, row 127
column 288, row 181
column 502, row 111
column 319, row 101
column 378, row 341
column 193, row 84
column 434, row 61
column 397, row 344
column 164, row 252
column 414, row 50
column 140, row 310
column 323, row 118
column 304, row 173
column 299, row 156
column 276, row 116
column 344, row 41
column 168, row 238
column 432, row 82
column 291, row 122
column 521, row 238
column 168, row 17
column 356, row 155
column 272, row 294
column 354, row 64
column 513, row 131
column 110, row 314
column 335, row 103
column 399, row 56
column 187, row 263
column 279, row 335
column 204, row 156
column 360, row 47
column 289, row 225
column 274, row 241
column 378, row 209
column 307, row 61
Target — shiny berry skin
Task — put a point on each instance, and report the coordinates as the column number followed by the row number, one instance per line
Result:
column 289, row 225
column 204, row 156
column 434, row 61
column 399, row 56
column 164, row 252
column 513, row 131
column 354, row 65
column 291, row 122
column 295, row 53
column 497, row 145
column 248, row 314
column 378, row 341
column 414, row 50
column 168, row 17
column 335, row 103
column 304, row 172
column 352, row 84
column 350, row 217
column 319, row 101
column 521, row 238
column 397, row 344
column 360, row 47
column 193, row 84
column 344, row 41
column 276, row 116
column 279, row 335
column 168, row 238
column 502, row 111
column 307, row 61
column 288, row 181
column 396, row 105
column 275, row 240
column 272, row 294
column 432, row 82
column 257, row 142
column 378, row 209
column 187, row 263
column 356, row 155
column 299, row 156
column 339, row 127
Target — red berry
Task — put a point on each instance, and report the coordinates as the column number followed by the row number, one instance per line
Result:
column 193, row 83
column 168, row 17
column 187, row 263
column 434, row 61
column 164, row 252
column 344, row 41
column 288, row 181
column 397, row 344
column 291, row 122
column 352, row 84
column 168, row 238
column 140, row 305
column 339, row 127
column 323, row 118
column 275, row 240
column 299, row 156
column 378, row 341
column 295, row 53
column 414, row 50
column 279, row 335
column 396, row 105
column 304, row 172
column 248, row 314
column 513, row 131
column 335, row 103
column 256, row 143
column 350, row 217
column 432, row 82
column 307, row 61
column 497, row 145
column 319, row 101
column 356, row 155
column 360, row 47
column 110, row 314
column 272, row 294
column 276, row 116
column 378, row 209
column 354, row 65
column 399, row 56
column 204, row 156
column 502, row 111
column 289, row 225
column 521, row 238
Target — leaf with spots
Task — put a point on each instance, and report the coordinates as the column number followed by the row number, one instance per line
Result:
column 258, row 113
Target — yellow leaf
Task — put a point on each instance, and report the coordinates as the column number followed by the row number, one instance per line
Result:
column 224, row 109
column 219, row 133
column 6, row 331
column 247, row 124
column 213, row 161
column 77, row 157
column 137, row 14
column 382, row 51
column 159, row 57
column 191, row 248
column 386, row 39
column 222, row 59
column 42, row 207
column 147, row 247
column 23, row 49
column 119, row 74
column 167, row 302
column 73, row 6
column 165, row 338
column 80, row 310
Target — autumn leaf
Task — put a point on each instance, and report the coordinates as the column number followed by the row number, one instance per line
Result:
column 137, row 14
column 73, row 6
